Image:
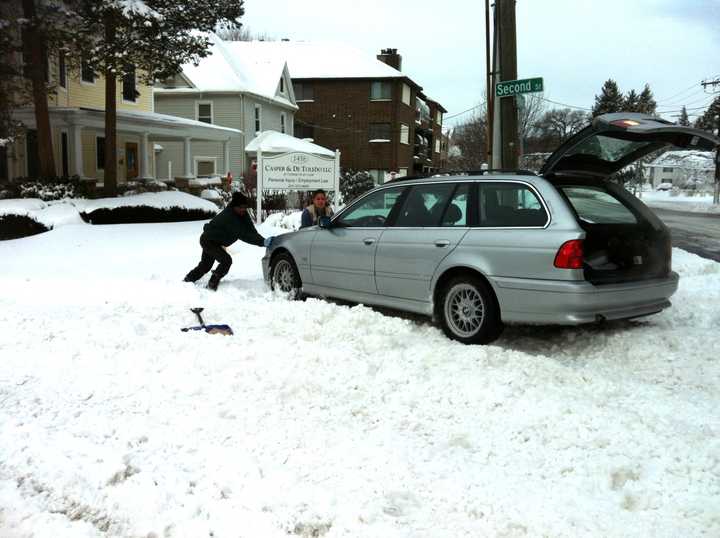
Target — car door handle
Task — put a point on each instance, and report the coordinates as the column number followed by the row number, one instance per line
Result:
column 369, row 240
column 442, row 243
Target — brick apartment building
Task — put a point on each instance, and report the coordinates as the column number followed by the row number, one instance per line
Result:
column 379, row 118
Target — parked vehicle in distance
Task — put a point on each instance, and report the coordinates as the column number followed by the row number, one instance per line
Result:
column 664, row 187
column 479, row 250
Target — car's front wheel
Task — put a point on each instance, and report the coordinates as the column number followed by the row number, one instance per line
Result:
column 284, row 276
column 468, row 311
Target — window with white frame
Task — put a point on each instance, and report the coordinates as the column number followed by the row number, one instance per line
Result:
column 204, row 111
column 402, row 172
column 439, row 117
column 303, row 91
column 437, row 146
column 282, row 122
column 258, row 118
column 129, row 90
column 205, row 166
column 86, row 73
column 404, row 134
column 62, row 70
column 406, row 94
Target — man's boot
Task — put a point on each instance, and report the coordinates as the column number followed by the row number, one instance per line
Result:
column 213, row 283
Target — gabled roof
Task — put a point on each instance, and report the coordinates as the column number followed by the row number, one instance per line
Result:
column 274, row 142
column 225, row 71
column 318, row 60
column 704, row 160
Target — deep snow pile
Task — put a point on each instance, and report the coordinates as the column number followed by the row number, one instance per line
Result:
column 318, row 419
column 159, row 200
column 51, row 214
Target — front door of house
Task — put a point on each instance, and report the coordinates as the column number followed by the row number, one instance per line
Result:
column 131, row 160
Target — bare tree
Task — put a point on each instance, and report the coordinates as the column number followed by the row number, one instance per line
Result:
column 468, row 144
column 530, row 110
column 241, row 32
column 561, row 123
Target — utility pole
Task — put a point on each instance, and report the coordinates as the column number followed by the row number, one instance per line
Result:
column 716, row 194
column 489, row 90
column 508, row 71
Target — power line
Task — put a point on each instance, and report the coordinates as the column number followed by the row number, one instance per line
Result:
column 566, row 105
column 481, row 105
column 693, row 87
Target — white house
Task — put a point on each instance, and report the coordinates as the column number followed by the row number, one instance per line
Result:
column 251, row 93
column 691, row 168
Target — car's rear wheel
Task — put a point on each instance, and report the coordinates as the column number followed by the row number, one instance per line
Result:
column 284, row 276
column 469, row 312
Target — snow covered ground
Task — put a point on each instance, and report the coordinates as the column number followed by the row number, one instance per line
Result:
column 681, row 202
column 318, row 419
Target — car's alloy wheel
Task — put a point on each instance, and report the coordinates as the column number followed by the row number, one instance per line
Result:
column 464, row 310
column 469, row 312
column 285, row 277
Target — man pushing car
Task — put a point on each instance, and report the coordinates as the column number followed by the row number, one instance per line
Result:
column 231, row 224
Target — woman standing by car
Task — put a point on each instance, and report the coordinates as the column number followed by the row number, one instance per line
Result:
column 319, row 208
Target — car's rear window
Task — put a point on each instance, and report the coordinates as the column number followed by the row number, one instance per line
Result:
column 595, row 205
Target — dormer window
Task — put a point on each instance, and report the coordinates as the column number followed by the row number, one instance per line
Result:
column 282, row 85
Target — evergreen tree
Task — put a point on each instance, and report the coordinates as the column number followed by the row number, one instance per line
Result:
column 353, row 184
column 33, row 33
column 609, row 100
column 631, row 102
column 150, row 40
column 684, row 120
column 647, row 103
column 709, row 120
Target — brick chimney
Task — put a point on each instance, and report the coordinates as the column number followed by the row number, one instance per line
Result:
column 391, row 57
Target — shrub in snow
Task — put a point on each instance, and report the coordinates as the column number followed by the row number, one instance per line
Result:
column 353, row 184
column 136, row 187
column 141, row 213
column 46, row 189
column 17, row 226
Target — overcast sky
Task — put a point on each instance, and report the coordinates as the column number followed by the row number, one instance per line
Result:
column 574, row 44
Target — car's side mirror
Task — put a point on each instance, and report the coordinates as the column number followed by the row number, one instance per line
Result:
column 324, row 222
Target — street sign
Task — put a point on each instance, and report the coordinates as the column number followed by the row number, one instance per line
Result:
column 508, row 88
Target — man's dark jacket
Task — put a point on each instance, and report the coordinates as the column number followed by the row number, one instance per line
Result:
column 227, row 227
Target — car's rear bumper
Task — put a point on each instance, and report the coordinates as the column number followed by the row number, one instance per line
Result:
column 573, row 303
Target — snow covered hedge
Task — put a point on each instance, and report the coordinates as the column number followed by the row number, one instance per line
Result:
column 173, row 206
column 46, row 190
column 17, row 226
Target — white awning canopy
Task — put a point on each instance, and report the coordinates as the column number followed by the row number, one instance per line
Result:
column 274, row 142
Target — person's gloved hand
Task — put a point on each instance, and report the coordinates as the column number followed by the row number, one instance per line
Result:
column 268, row 241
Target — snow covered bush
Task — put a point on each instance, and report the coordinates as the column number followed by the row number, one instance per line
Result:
column 353, row 184
column 45, row 189
column 17, row 226
column 139, row 214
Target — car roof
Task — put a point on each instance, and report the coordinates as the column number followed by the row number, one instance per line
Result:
column 506, row 176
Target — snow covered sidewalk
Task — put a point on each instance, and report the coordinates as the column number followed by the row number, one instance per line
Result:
column 318, row 419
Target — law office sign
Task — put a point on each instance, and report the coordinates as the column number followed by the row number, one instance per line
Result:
column 299, row 172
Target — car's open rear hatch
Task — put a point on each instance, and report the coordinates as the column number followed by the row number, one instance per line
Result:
column 624, row 240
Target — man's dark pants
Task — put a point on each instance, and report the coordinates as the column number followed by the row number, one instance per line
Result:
column 211, row 251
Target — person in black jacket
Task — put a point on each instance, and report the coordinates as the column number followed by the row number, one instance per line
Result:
column 231, row 224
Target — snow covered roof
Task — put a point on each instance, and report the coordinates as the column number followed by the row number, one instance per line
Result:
column 274, row 142
column 686, row 159
column 225, row 70
column 317, row 60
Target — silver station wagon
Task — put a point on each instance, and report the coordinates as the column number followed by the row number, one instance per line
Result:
column 479, row 250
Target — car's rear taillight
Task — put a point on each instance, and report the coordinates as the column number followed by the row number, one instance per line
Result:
column 625, row 123
column 570, row 255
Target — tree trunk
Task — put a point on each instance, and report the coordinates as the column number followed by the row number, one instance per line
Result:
column 35, row 52
column 110, row 181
